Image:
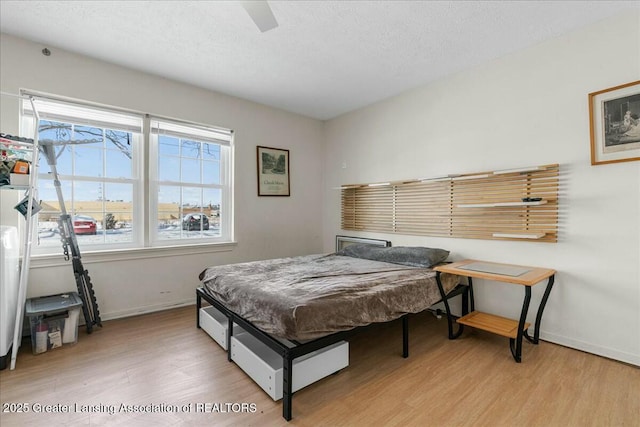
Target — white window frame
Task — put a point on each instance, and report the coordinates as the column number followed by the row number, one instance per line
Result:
column 201, row 133
column 144, row 173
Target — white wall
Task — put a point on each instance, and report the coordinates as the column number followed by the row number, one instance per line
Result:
column 528, row 108
column 266, row 227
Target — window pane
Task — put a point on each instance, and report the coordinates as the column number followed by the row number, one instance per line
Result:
column 87, row 196
column 211, row 172
column 169, row 169
column 169, row 224
column 118, row 164
column 120, row 195
column 88, row 224
column 169, row 213
column 47, row 192
column 168, row 146
column 56, row 131
column 48, row 234
column 119, row 154
column 117, row 226
column 210, row 151
column 52, row 131
column 196, row 225
column 168, row 195
column 118, row 219
column 83, row 134
column 191, row 198
column 190, row 170
column 87, row 156
column 64, row 156
column 119, row 140
column 88, row 161
column 211, row 198
column 191, row 149
column 88, row 228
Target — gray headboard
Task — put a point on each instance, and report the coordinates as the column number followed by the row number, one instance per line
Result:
column 344, row 241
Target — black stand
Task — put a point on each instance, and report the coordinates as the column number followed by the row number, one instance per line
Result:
column 70, row 243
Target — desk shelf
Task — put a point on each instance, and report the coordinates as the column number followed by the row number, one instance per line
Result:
column 491, row 323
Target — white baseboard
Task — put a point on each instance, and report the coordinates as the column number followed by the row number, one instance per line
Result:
column 622, row 356
column 146, row 309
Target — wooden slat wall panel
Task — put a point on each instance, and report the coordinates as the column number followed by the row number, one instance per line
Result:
column 423, row 208
column 368, row 208
column 449, row 207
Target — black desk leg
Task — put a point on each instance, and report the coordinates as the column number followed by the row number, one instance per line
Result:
column 450, row 319
column 287, row 378
column 543, row 303
column 471, row 297
column 198, row 307
column 517, row 352
column 465, row 302
column 405, row 336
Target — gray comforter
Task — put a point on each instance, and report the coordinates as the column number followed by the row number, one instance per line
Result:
column 307, row 297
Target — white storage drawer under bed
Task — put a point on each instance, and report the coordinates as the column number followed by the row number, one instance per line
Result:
column 264, row 365
column 216, row 325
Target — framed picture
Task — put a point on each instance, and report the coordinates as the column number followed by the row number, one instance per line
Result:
column 614, row 117
column 273, row 172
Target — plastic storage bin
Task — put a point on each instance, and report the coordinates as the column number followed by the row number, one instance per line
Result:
column 53, row 320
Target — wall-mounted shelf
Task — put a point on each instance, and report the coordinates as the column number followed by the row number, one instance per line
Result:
column 520, row 235
column 502, row 204
column 482, row 205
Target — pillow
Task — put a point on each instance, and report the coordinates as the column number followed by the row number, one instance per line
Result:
column 414, row 256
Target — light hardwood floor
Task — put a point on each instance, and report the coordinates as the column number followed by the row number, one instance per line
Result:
column 162, row 358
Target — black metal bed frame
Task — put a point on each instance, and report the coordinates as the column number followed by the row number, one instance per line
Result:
column 288, row 354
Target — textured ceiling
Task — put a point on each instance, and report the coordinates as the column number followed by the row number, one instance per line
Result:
column 325, row 58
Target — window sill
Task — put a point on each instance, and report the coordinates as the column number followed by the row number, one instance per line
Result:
column 94, row 257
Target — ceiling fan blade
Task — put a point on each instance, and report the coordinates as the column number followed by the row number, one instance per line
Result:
column 261, row 14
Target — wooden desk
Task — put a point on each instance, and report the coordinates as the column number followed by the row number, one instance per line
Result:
column 507, row 273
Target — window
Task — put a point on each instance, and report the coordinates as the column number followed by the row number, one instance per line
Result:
column 191, row 177
column 99, row 156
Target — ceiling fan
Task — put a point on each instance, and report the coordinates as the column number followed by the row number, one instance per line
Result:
column 261, row 13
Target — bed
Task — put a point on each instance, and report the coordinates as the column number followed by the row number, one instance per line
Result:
column 314, row 301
